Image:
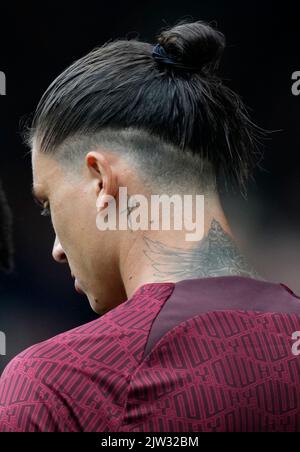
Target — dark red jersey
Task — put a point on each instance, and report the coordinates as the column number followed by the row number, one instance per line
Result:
column 199, row 355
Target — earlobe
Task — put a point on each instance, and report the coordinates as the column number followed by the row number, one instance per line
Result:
column 103, row 201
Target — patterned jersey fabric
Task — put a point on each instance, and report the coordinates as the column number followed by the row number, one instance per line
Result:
column 199, row 355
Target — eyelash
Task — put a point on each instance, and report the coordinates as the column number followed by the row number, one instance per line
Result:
column 46, row 211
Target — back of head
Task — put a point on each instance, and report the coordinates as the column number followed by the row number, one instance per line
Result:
column 162, row 104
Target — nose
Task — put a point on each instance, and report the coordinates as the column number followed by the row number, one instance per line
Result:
column 58, row 253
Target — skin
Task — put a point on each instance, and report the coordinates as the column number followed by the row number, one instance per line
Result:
column 109, row 266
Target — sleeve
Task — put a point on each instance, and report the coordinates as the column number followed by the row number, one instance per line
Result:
column 30, row 404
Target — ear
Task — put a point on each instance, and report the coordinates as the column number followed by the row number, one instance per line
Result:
column 103, row 174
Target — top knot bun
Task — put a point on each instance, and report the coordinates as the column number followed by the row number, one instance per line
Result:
column 196, row 45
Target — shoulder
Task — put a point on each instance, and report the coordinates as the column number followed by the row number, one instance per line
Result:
column 54, row 385
column 81, row 374
column 120, row 333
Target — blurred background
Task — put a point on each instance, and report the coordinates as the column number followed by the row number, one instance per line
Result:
column 38, row 41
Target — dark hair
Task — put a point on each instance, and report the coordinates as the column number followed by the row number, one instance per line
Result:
column 6, row 243
column 122, row 86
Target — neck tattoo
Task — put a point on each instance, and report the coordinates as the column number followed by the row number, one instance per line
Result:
column 215, row 255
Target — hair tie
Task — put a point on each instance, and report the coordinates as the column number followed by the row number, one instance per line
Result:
column 161, row 56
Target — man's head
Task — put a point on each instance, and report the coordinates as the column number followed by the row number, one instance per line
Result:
column 6, row 243
column 121, row 116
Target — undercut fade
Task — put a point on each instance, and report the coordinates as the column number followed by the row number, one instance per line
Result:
column 123, row 92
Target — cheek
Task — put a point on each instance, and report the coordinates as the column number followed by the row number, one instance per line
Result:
column 74, row 221
column 62, row 221
column 76, row 226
